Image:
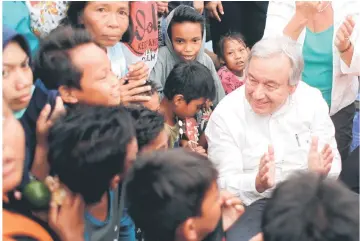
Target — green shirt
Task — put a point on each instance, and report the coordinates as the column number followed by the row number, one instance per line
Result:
column 318, row 60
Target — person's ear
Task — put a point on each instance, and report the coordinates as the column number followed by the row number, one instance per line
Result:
column 114, row 183
column 178, row 100
column 292, row 89
column 257, row 237
column 68, row 95
column 187, row 230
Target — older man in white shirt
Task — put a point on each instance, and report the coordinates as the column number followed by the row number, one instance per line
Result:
column 264, row 131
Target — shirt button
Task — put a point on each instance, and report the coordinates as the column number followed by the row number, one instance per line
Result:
column 116, row 227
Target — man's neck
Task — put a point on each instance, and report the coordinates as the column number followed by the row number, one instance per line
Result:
column 166, row 110
column 100, row 209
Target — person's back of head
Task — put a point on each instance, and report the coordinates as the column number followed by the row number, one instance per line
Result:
column 167, row 191
column 53, row 64
column 149, row 126
column 191, row 80
column 90, row 148
column 310, row 207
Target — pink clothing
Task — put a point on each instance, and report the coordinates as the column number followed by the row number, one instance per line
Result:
column 229, row 80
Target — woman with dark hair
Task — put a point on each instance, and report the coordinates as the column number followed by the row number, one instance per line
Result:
column 108, row 23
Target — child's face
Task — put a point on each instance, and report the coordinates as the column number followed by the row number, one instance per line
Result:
column 106, row 21
column 210, row 215
column 184, row 109
column 13, row 150
column 235, row 55
column 186, row 38
column 159, row 143
column 99, row 86
column 17, row 77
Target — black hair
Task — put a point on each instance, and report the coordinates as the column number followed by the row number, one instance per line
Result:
column 192, row 80
column 152, row 90
column 53, row 64
column 311, row 207
column 75, row 11
column 164, row 189
column 183, row 14
column 230, row 36
column 148, row 124
column 88, row 147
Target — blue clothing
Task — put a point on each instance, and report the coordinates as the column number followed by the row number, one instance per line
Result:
column 16, row 15
column 318, row 61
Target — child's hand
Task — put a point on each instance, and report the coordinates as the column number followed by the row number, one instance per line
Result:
column 45, row 122
column 67, row 220
column 138, row 71
column 232, row 209
column 131, row 92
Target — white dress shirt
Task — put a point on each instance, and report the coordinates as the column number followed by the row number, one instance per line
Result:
column 238, row 138
column 345, row 81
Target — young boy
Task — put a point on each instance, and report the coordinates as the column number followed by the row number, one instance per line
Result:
column 150, row 129
column 90, row 151
column 184, row 97
column 173, row 196
column 184, row 43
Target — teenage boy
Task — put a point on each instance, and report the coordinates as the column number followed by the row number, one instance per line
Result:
column 184, row 97
column 173, row 196
column 90, row 150
column 185, row 38
column 150, row 129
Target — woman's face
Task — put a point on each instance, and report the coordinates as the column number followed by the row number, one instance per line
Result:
column 13, row 150
column 17, row 77
column 106, row 21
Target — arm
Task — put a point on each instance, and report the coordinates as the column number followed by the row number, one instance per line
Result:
column 227, row 158
column 40, row 168
column 350, row 59
column 280, row 16
column 323, row 127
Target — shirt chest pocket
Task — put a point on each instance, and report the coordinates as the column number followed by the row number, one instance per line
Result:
column 297, row 147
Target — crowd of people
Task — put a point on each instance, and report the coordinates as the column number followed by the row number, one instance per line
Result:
column 180, row 120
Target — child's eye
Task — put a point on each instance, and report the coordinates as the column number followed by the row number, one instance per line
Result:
column 179, row 41
column 25, row 64
column 5, row 73
column 101, row 10
column 123, row 13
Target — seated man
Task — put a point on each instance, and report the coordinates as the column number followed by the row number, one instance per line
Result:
column 276, row 114
column 310, row 207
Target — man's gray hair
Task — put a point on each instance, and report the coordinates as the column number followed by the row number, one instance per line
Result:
column 281, row 45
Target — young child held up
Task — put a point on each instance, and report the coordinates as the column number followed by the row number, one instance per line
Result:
column 233, row 54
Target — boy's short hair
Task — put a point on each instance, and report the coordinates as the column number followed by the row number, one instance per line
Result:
column 53, row 64
column 230, row 36
column 88, row 147
column 183, row 14
column 311, row 207
column 164, row 189
column 148, row 124
column 192, row 80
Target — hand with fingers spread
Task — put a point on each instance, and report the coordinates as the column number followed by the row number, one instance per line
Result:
column 67, row 220
column 265, row 178
column 342, row 40
column 46, row 121
column 162, row 7
column 131, row 92
column 320, row 162
column 214, row 9
column 232, row 209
